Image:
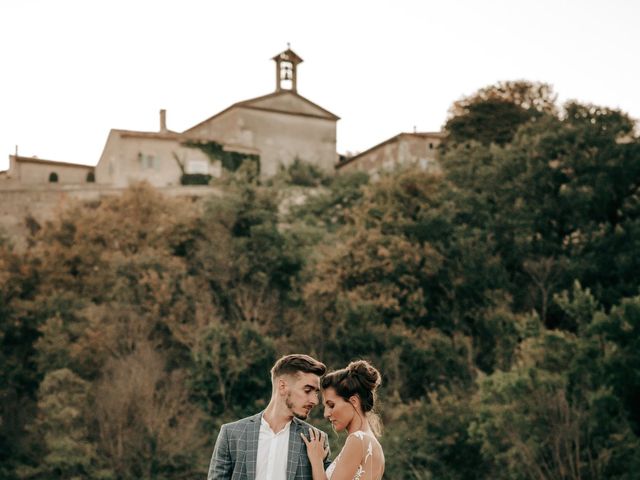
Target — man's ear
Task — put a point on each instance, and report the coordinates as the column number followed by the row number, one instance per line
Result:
column 281, row 385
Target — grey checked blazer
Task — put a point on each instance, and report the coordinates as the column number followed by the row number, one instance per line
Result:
column 235, row 454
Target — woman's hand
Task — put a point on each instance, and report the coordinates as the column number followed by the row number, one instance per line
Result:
column 316, row 450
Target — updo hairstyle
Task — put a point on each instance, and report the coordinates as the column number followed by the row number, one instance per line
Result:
column 358, row 378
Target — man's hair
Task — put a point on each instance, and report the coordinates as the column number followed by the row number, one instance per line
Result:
column 297, row 362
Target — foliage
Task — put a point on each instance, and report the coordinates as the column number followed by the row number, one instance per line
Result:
column 560, row 203
column 67, row 451
column 301, row 174
column 499, row 299
column 331, row 209
column 195, row 179
column 494, row 114
column 230, row 160
column 439, row 424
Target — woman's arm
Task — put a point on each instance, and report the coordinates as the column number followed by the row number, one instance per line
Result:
column 351, row 457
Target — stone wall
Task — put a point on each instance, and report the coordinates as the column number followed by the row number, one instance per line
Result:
column 42, row 203
column 34, row 171
column 279, row 128
column 402, row 150
column 131, row 157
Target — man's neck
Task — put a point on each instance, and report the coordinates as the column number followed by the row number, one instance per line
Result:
column 276, row 417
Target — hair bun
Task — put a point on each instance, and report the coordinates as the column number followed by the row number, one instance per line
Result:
column 358, row 378
column 366, row 373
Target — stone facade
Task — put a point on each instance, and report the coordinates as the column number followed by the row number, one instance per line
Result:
column 279, row 127
column 129, row 157
column 36, row 171
column 21, row 205
column 402, row 150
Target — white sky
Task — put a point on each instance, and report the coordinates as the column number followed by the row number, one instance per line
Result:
column 72, row 70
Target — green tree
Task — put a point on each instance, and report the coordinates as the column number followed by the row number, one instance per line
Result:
column 67, row 451
column 439, row 425
column 556, row 205
column 494, row 113
column 552, row 416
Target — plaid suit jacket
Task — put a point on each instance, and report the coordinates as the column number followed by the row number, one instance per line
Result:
column 236, row 451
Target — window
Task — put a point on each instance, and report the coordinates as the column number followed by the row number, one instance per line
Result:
column 53, row 177
column 148, row 161
column 286, row 75
column 91, row 177
column 197, row 166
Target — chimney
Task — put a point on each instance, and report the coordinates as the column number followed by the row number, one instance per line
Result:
column 163, row 121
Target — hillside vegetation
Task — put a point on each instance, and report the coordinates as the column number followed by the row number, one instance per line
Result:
column 500, row 300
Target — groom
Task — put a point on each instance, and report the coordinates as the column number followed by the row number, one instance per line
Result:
column 268, row 445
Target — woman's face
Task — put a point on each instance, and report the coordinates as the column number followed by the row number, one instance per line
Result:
column 337, row 410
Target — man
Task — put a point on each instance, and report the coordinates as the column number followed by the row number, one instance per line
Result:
column 268, row 445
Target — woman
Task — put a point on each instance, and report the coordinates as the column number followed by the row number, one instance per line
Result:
column 349, row 399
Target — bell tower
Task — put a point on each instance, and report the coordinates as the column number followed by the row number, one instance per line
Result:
column 286, row 70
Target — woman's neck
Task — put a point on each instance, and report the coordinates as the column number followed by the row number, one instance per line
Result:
column 359, row 423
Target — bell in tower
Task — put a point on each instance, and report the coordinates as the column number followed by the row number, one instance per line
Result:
column 286, row 65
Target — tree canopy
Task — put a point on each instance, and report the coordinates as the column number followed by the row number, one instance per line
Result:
column 499, row 298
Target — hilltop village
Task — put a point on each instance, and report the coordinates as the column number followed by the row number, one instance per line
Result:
column 274, row 130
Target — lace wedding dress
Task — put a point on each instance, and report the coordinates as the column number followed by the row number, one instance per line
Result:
column 360, row 472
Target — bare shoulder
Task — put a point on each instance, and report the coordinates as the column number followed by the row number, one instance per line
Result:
column 366, row 445
column 356, row 444
column 361, row 453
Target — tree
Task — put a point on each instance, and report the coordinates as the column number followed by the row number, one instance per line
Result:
column 554, row 414
column 67, row 449
column 494, row 113
column 561, row 194
column 147, row 426
column 439, row 425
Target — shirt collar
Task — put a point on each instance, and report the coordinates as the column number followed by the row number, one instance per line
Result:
column 265, row 424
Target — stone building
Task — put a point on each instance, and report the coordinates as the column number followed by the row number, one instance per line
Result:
column 281, row 126
column 277, row 128
column 155, row 157
column 37, row 171
column 417, row 148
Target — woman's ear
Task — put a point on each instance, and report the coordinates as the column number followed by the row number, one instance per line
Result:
column 355, row 401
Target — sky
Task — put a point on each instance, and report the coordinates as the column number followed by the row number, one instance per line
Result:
column 71, row 70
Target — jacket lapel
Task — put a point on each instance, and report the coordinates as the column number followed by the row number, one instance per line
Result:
column 295, row 445
column 252, row 433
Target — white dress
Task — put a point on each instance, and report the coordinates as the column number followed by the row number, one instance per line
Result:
column 360, row 472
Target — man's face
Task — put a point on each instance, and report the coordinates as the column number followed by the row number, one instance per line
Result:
column 301, row 393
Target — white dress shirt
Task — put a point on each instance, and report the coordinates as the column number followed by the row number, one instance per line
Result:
column 272, row 452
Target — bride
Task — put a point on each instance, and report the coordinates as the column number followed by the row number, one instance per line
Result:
column 349, row 398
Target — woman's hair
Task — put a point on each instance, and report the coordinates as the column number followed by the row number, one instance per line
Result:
column 358, row 378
